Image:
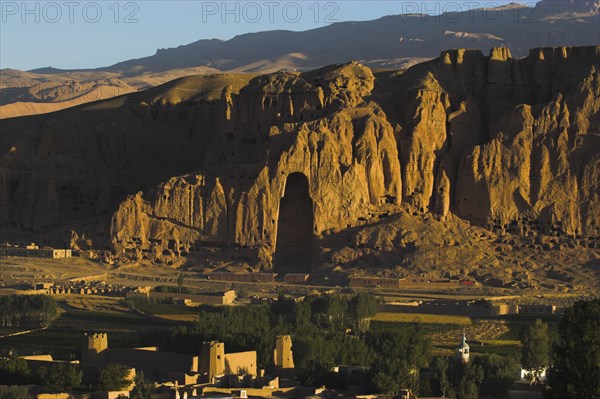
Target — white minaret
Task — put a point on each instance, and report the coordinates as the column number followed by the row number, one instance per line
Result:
column 462, row 352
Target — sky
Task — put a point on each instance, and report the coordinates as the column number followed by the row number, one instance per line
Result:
column 70, row 34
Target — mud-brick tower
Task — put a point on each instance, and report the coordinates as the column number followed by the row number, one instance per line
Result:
column 283, row 352
column 212, row 359
column 94, row 349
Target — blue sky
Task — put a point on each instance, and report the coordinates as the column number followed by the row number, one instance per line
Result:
column 73, row 34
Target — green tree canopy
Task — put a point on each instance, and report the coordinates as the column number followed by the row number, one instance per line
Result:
column 180, row 281
column 391, row 375
column 143, row 388
column 499, row 374
column 329, row 310
column 16, row 392
column 468, row 387
column 575, row 371
column 113, row 377
column 362, row 307
column 399, row 358
column 441, row 384
column 27, row 310
column 14, row 371
column 535, row 351
column 63, row 377
column 315, row 373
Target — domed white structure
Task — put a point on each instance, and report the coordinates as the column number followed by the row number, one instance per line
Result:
column 462, row 352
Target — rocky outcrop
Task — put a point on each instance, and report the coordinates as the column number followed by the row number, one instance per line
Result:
column 204, row 162
column 503, row 138
column 542, row 160
column 346, row 150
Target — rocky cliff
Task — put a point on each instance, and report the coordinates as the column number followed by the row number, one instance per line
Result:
column 318, row 124
column 231, row 164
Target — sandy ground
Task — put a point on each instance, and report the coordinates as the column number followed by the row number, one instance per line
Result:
column 17, row 274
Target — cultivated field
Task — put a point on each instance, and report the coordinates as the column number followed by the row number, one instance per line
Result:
column 421, row 318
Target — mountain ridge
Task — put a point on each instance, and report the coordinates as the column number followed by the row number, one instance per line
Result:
column 390, row 42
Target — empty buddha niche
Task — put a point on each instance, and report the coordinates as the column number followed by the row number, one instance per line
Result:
column 293, row 252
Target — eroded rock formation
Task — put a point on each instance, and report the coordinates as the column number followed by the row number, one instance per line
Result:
column 345, row 148
column 495, row 140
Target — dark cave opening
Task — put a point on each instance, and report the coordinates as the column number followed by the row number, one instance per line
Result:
column 294, row 246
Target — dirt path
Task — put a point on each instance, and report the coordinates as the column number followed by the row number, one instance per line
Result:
column 23, row 332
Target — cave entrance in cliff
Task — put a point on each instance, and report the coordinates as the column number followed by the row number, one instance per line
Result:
column 294, row 246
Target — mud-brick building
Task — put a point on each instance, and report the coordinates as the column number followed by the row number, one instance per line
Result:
column 158, row 365
column 383, row 282
column 243, row 277
column 537, row 309
column 33, row 251
column 296, row 278
column 215, row 298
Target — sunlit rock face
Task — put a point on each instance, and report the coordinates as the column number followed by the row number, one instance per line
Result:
column 216, row 161
column 495, row 139
column 317, row 125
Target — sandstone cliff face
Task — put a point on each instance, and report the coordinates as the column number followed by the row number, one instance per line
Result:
column 501, row 139
column 203, row 162
column 541, row 163
column 349, row 156
column 70, row 170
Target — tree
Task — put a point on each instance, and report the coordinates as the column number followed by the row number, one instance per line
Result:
column 63, row 377
column 14, row 371
column 242, row 293
column 143, row 388
column 441, row 384
column 390, row 375
column 302, row 315
column 362, row 307
column 400, row 356
column 575, row 370
column 535, row 351
column 468, row 387
column 113, row 377
column 499, row 374
column 330, row 310
column 315, row 374
column 309, row 351
column 27, row 310
column 16, row 392
column 180, row 281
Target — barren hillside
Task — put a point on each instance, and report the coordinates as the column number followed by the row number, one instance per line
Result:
column 391, row 42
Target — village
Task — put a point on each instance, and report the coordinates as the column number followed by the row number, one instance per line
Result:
column 214, row 372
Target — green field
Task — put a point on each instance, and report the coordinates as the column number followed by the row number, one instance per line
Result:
column 421, row 318
column 63, row 339
column 438, row 327
column 61, row 343
column 518, row 325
